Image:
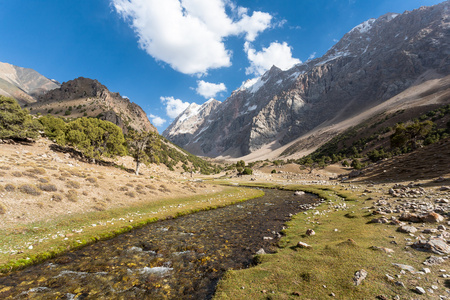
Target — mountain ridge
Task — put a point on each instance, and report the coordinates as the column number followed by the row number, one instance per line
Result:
column 373, row 62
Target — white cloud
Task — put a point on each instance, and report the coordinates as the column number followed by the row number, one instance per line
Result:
column 157, row 121
column 189, row 34
column 174, row 107
column 208, row 89
column 276, row 54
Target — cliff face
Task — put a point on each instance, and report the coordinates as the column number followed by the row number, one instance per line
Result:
column 375, row 61
column 97, row 101
column 23, row 84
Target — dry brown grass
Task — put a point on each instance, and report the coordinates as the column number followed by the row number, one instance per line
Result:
column 72, row 195
column 47, row 187
column 29, row 189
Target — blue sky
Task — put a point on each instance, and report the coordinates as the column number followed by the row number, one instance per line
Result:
column 165, row 54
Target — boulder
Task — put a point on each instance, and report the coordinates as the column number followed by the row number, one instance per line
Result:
column 435, row 245
column 409, row 217
column 407, row 229
column 432, row 218
column 433, row 260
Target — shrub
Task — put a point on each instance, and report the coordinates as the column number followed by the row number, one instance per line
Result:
column 16, row 174
column 10, row 187
column 43, row 180
column 247, row 171
column 56, row 197
column 72, row 195
column 274, row 171
column 29, row 189
column 91, row 179
column 131, row 194
column 123, row 189
column 15, row 122
column 2, row 209
column 47, row 187
column 73, row 184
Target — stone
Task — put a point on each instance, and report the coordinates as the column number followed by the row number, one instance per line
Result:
column 437, row 246
column 432, row 218
column 359, row 277
column 420, row 290
column 426, row 270
column 444, row 188
column 382, row 249
column 310, row 232
column 381, row 220
column 299, row 193
column 303, row 245
column 409, row 217
column 260, row 252
column 405, row 267
column 407, row 229
column 433, row 260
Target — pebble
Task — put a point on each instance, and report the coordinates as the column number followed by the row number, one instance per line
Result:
column 420, row 290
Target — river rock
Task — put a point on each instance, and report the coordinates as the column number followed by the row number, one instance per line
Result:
column 359, row 277
column 444, row 188
column 407, row 229
column 437, row 246
column 299, row 193
column 260, row 252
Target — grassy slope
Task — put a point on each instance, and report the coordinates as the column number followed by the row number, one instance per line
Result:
column 329, row 266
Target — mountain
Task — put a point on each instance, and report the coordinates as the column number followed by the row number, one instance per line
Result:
column 87, row 97
column 371, row 64
column 194, row 116
column 23, row 84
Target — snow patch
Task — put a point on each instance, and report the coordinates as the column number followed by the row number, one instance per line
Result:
column 155, row 270
column 334, row 56
column 252, row 108
column 252, row 85
column 364, row 27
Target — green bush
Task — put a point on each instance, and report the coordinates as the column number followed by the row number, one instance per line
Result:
column 274, row 171
column 247, row 171
column 16, row 123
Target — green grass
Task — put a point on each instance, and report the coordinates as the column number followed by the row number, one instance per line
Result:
column 332, row 260
column 64, row 233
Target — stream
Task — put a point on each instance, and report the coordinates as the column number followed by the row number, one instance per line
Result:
column 181, row 258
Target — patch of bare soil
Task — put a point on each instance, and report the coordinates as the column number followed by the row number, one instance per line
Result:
column 37, row 183
column 428, row 163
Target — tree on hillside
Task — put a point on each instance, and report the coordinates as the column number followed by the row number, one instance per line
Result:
column 141, row 146
column 240, row 166
column 95, row 138
column 16, row 123
column 54, row 128
column 410, row 135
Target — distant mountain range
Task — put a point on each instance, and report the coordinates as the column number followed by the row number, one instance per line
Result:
column 374, row 62
column 23, row 84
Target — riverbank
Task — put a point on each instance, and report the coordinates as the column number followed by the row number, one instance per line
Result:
column 357, row 229
column 51, row 203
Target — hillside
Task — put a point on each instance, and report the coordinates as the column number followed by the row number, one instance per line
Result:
column 84, row 97
column 23, row 84
column 374, row 62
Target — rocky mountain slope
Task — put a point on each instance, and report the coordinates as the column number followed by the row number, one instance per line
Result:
column 374, row 62
column 87, row 97
column 23, row 84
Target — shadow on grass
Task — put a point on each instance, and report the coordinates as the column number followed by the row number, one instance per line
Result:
column 75, row 154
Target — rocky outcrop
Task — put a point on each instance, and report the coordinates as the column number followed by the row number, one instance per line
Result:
column 100, row 102
column 372, row 63
column 23, row 84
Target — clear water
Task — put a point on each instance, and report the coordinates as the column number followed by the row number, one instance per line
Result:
column 172, row 259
